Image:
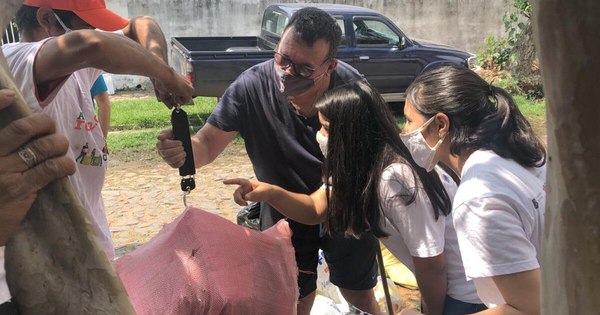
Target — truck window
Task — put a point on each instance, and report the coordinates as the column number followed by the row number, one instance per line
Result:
column 340, row 22
column 374, row 33
column 274, row 22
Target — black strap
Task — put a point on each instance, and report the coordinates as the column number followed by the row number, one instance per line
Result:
column 181, row 131
column 386, row 290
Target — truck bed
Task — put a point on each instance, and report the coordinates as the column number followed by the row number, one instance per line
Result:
column 224, row 44
column 213, row 69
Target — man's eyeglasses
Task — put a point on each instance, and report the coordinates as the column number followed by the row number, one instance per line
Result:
column 299, row 69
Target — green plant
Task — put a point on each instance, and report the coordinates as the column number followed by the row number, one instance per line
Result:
column 496, row 54
column 515, row 22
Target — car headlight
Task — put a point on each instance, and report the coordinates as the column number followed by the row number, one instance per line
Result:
column 472, row 62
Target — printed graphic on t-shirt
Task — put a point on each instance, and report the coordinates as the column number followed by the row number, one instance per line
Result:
column 89, row 156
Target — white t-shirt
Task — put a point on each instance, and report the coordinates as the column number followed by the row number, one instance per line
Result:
column 498, row 216
column 70, row 106
column 414, row 231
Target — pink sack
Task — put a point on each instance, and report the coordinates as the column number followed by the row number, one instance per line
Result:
column 204, row 264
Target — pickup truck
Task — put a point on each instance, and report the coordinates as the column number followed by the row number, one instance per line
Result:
column 371, row 43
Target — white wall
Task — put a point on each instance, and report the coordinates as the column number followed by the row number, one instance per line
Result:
column 464, row 24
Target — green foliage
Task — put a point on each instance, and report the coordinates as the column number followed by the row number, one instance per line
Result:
column 515, row 22
column 514, row 55
column 496, row 54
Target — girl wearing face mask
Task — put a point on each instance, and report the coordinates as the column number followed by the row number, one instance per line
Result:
column 374, row 186
column 457, row 118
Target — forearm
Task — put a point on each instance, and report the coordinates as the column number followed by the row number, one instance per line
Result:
column 148, row 34
column 128, row 57
column 521, row 291
column 301, row 208
column 103, row 104
column 503, row 309
column 112, row 53
column 209, row 142
column 433, row 283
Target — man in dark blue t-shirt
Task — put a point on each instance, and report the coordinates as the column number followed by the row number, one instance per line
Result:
column 272, row 106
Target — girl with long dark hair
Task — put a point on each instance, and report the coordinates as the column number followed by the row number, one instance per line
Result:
column 457, row 118
column 372, row 185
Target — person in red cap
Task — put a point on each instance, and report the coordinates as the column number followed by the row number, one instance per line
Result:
column 57, row 61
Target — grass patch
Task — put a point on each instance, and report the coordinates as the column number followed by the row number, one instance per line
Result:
column 135, row 140
column 135, row 123
column 534, row 111
column 144, row 113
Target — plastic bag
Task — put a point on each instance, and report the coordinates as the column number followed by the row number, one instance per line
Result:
column 337, row 302
column 249, row 216
column 397, row 302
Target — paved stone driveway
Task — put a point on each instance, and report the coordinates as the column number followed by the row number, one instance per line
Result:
column 141, row 196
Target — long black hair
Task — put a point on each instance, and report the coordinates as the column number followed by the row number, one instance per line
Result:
column 482, row 116
column 363, row 140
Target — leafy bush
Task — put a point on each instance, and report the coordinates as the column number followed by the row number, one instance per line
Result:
column 496, row 54
column 515, row 53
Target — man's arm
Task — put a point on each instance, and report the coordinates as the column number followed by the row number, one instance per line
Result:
column 147, row 33
column 207, row 144
column 113, row 53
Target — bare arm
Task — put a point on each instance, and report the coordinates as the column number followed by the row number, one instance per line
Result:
column 521, row 291
column 148, row 34
column 103, row 103
column 207, row 144
column 431, row 277
column 113, row 53
column 306, row 209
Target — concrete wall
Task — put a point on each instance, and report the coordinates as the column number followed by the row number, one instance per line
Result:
column 464, row 24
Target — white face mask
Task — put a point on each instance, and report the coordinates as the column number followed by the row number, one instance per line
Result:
column 62, row 24
column 420, row 150
column 322, row 140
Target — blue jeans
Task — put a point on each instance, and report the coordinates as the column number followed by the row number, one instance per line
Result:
column 456, row 307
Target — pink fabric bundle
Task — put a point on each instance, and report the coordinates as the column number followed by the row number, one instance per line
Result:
column 204, row 264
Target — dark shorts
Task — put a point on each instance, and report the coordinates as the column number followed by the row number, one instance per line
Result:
column 456, row 307
column 351, row 261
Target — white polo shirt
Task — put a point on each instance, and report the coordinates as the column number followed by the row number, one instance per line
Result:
column 498, row 215
column 414, row 232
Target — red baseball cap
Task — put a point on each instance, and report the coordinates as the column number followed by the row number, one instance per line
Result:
column 93, row 12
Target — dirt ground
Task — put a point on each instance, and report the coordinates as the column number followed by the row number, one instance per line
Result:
column 141, row 196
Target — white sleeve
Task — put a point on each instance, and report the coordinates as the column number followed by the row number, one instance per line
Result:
column 413, row 224
column 4, row 293
column 491, row 238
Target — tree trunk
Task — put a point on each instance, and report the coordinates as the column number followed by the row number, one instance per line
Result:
column 54, row 264
column 568, row 42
